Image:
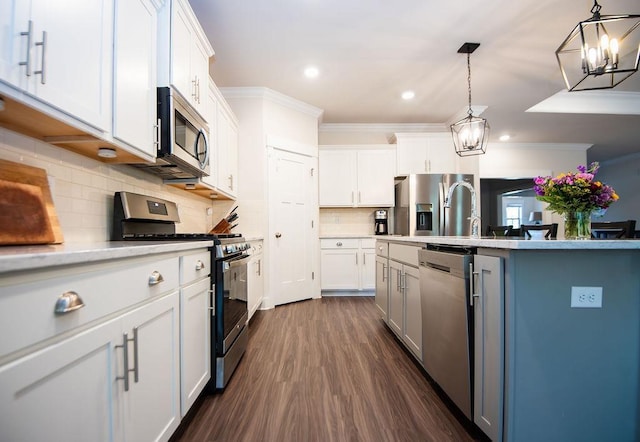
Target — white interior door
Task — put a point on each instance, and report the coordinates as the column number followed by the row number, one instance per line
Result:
column 291, row 183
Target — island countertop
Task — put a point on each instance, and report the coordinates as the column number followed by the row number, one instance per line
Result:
column 515, row 243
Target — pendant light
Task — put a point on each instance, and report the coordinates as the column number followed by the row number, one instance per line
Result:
column 470, row 135
column 600, row 52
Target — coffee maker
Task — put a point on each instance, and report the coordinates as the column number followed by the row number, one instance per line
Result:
column 380, row 218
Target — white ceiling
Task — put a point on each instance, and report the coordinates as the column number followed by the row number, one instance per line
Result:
column 370, row 51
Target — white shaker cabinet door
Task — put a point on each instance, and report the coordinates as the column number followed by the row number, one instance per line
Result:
column 67, row 392
column 152, row 404
column 73, row 47
column 376, row 171
column 337, row 178
column 195, row 342
column 134, row 94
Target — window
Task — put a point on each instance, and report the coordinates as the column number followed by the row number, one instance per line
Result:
column 513, row 215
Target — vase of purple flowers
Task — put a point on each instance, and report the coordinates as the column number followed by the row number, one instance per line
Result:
column 575, row 196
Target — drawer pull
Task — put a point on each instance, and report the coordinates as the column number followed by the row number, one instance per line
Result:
column 155, row 278
column 339, row 244
column 68, row 302
column 199, row 265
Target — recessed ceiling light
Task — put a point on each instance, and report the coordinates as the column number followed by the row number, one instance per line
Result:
column 505, row 137
column 408, row 95
column 311, row 72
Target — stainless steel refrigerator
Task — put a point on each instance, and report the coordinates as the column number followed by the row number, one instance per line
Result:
column 419, row 205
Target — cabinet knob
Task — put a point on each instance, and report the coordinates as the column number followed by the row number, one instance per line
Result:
column 339, row 244
column 68, row 302
column 199, row 265
column 278, row 235
column 155, row 278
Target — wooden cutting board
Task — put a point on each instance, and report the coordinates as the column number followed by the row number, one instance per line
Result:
column 27, row 213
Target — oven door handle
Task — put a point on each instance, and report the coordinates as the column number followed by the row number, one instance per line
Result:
column 226, row 265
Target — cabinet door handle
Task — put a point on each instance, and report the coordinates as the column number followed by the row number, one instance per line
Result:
column 356, row 259
column 125, row 361
column 231, row 182
column 27, row 34
column 364, row 259
column 259, row 267
column 384, row 267
column 157, row 128
column 472, row 285
column 43, row 70
column 68, row 302
column 352, row 197
column 194, row 93
column 199, row 265
column 155, row 278
column 135, row 354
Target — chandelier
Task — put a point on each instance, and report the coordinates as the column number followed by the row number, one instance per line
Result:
column 600, row 52
column 470, row 135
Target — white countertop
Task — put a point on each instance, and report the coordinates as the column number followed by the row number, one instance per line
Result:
column 18, row 258
column 519, row 243
column 349, row 235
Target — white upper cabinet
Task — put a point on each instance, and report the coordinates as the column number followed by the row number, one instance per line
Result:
column 227, row 140
column 185, row 61
column 354, row 177
column 60, row 54
column 425, row 153
column 223, row 143
column 135, row 69
column 337, row 177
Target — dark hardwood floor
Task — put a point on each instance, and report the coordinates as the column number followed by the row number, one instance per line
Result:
column 325, row 370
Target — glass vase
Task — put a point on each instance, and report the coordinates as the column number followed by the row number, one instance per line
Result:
column 577, row 225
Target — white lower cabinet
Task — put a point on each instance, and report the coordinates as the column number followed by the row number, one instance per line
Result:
column 382, row 286
column 255, row 278
column 195, row 342
column 115, row 369
column 79, row 389
column 348, row 263
column 405, row 312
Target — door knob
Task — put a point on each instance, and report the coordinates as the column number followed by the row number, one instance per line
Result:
column 278, row 235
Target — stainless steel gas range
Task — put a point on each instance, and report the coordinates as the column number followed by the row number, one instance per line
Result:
column 144, row 218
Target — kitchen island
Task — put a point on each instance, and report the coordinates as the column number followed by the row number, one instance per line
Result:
column 545, row 370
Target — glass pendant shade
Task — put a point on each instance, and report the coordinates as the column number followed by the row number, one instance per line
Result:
column 600, row 52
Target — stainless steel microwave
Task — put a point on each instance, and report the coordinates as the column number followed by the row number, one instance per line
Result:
column 183, row 148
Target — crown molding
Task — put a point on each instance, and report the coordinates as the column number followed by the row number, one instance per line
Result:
column 382, row 127
column 272, row 96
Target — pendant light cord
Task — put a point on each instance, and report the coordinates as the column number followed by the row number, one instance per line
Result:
column 470, row 111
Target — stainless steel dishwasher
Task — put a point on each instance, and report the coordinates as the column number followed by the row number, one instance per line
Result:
column 447, row 321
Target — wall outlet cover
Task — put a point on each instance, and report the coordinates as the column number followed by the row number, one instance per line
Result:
column 586, row 297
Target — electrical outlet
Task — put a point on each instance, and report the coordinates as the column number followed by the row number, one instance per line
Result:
column 586, row 297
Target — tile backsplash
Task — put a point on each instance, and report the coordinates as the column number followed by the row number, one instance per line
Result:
column 340, row 221
column 83, row 189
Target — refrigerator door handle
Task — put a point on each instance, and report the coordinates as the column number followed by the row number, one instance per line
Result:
column 442, row 216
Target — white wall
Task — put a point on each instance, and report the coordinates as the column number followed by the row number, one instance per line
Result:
column 264, row 113
column 83, row 189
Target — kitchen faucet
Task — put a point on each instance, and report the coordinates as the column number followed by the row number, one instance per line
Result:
column 474, row 218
